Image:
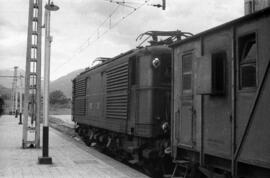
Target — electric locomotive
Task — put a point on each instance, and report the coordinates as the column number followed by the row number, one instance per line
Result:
column 122, row 105
column 221, row 100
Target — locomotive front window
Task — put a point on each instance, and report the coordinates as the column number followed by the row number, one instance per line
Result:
column 247, row 61
column 187, row 72
column 165, row 69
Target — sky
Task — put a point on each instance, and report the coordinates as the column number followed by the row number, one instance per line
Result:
column 80, row 36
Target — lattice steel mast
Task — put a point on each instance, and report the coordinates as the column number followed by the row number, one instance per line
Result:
column 33, row 77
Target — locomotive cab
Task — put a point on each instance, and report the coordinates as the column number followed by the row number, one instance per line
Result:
column 123, row 104
column 149, row 93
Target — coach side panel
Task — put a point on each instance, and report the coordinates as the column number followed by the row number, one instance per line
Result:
column 252, row 63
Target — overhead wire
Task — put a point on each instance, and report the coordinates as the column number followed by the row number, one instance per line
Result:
column 85, row 43
column 125, row 2
column 96, row 34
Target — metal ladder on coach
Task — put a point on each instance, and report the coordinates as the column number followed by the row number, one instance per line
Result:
column 31, row 120
column 185, row 165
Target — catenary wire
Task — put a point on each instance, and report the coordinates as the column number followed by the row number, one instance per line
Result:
column 87, row 43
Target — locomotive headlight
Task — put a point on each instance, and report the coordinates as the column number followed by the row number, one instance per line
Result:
column 156, row 62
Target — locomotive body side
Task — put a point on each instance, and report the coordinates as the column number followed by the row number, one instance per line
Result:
column 120, row 105
column 221, row 95
column 123, row 95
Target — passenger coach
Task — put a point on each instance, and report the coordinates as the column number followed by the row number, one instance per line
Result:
column 221, row 98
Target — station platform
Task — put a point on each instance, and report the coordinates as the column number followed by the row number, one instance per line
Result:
column 70, row 158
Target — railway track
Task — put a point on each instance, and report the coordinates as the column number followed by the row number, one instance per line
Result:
column 67, row 129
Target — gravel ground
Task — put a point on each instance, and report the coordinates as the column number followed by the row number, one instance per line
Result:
column 62, row 126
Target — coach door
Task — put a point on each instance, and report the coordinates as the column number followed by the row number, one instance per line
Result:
column 186, row 101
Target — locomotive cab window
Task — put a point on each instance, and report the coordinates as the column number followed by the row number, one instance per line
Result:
column 163, row 70
column 247, row 61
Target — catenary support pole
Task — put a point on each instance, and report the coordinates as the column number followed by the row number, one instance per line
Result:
column 32, row 84
column 46, row 159
column 14, row 92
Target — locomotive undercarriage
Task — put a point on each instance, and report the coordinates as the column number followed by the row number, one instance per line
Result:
column 146, row 155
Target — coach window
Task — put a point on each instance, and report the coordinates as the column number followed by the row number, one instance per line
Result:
column 219, row 72
column 247, row 61
column 187, row 73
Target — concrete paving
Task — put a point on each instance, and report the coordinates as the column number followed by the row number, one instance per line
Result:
column 70, row 157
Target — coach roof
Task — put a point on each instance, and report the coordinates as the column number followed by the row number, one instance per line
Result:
column 253, row 16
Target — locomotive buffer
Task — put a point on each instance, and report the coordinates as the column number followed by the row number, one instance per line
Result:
column 31, row 120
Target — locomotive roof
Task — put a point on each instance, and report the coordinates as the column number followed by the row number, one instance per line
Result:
column 131, row 52
column 240, row 20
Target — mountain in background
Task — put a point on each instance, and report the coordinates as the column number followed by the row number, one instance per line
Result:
column 65, row 83
column 5, row 92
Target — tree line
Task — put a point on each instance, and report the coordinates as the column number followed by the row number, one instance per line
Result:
column 58, row 97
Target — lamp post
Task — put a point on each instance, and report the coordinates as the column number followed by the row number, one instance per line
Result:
column 45, row 159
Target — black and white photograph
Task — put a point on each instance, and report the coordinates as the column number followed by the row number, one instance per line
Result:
column 134, row 89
